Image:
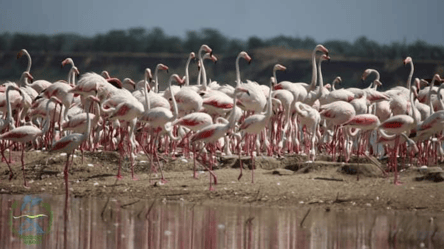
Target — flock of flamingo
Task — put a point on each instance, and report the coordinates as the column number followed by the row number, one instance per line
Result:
column 207, row 119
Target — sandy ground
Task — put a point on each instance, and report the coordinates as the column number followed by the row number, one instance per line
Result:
column 287, row 181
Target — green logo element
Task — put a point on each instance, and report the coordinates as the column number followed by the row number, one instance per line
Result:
column 32, row 227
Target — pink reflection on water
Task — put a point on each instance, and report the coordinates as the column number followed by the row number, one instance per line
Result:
column 94, row 223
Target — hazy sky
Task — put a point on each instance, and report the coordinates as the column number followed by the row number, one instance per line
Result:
column 381, row 20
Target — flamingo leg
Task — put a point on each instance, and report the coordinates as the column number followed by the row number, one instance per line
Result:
column 11, row 174
column 395, row 162
column 252, row 158
column 23, row 166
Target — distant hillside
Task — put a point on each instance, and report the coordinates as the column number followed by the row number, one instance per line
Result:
column 48, row 66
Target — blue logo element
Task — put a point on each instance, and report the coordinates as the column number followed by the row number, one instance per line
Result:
column 30, row 230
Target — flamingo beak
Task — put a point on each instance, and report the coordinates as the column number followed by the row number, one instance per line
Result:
column 31, row 79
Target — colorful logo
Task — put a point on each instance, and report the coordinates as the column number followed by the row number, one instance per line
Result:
column 35, row 219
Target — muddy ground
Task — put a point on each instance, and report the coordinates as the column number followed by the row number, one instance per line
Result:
column 288, row 181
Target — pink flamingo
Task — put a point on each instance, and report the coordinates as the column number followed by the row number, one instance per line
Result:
column 396, row 125
column 212, row 133
column 27, row 133
column 38, row 85
column 253, row 125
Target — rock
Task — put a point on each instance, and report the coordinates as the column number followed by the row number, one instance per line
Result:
column 282, row 172
column 435, row 174
column 369, row 170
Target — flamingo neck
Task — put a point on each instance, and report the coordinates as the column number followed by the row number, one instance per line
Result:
column 321, row 81
column 203, row 72
column 147, row 102
column 439, row 97
column 313, row 68
column 413, row 107
column 269, row 107
column 28, row 69
column 23, row 80
column 9, row 118
column 238, row 79
column 156, row 82
column 175, row 111
column 409, row 80
column 187, row 75
column 430, row 96
column 48, row 118
column 231, row 119
column 88, row 123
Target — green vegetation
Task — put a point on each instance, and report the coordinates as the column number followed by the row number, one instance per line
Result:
column 156, row 41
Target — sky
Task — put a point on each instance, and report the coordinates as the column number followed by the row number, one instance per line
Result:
column 384, row 21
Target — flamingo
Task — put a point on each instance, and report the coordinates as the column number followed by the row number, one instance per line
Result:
column 8, row 123
column 255, row 101
column 212, row 133
column 27, row 133
column 159, row 117
column 396, row 125
column 38, row 85
column 69, row 143
column 194, row 121
column 312, row 85
column 254, row 125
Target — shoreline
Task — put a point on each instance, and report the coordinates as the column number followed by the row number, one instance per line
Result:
column 279, row 182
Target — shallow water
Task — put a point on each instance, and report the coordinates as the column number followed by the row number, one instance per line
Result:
column 101, row 223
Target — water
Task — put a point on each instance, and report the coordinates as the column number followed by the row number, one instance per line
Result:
column 96, row 223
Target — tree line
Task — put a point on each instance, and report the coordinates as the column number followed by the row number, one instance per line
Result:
column 156, row 41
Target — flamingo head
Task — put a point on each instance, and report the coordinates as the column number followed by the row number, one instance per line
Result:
column 177, row 78
column 437, row 77
column 365, row 74
column 407, row 60
column 241, row 89
column 273, row 81
column 14, row 87
column 29, row 76
column 129, row 81
column 161, row 66
column 338, row 80
column 325, row 57
column 377, row 82
column 76, row 70
column 192, row 55
column 244, row 55
column 67, row 61
column 321, row 48
column 327, row 86
column 148, row 74
column 279, row 67
column 423, row 82
column 105, row 74
column 20, row 54
column 206, row 48
column 210, row 56
column 415, row 91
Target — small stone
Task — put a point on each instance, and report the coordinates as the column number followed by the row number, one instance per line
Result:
column 90, row 165
column 278, row 183
column 167, row 233
column 368, row 204
column 62, row 154
column 96, row 184
column 184, row 160
column 221, row 226
column 301, row 202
